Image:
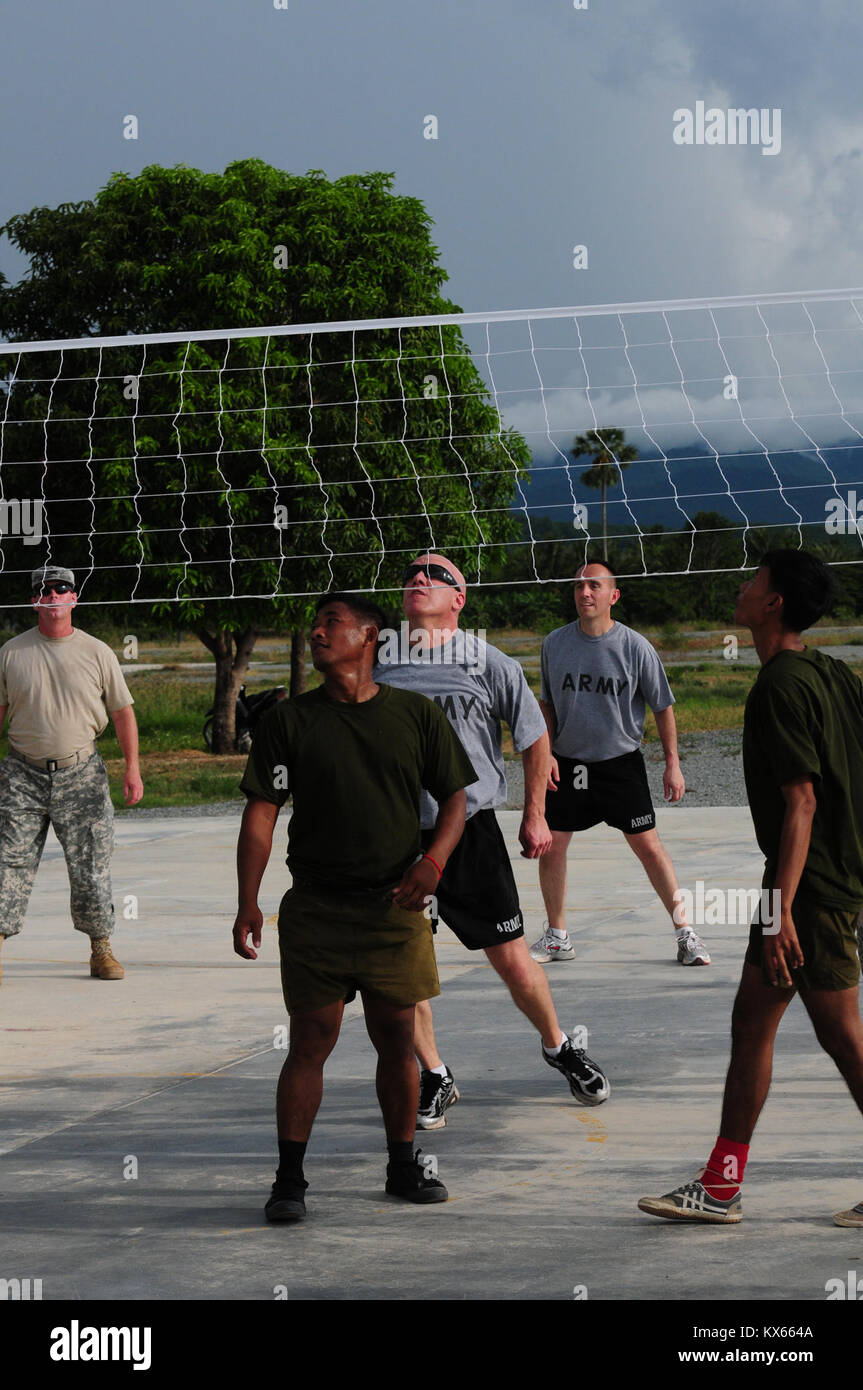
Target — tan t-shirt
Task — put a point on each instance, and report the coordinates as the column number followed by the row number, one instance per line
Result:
column 59, row 691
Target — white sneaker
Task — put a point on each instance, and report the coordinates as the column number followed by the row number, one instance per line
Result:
column 551, row 947
column 691, row 950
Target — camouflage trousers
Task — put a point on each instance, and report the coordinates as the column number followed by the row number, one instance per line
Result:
column 77, row 803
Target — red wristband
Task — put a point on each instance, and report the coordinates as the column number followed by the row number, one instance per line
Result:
column 436, row 864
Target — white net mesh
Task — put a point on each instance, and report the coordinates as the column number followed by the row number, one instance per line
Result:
column 281, row 462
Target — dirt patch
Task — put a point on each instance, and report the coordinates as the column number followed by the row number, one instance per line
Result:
column 188, row 759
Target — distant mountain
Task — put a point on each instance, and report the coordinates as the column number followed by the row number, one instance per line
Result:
column 753, row 478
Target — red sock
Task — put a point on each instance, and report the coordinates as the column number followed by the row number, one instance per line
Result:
column 724, row 1172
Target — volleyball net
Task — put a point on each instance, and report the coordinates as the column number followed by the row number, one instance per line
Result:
column 280, row 462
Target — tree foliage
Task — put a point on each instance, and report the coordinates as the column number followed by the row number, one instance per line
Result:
column 240, row 478
column 610, row 453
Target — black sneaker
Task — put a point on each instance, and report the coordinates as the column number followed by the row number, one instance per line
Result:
column 287, row 1201
column 586, row 1081
column 437, row 1094
column 413, row 1182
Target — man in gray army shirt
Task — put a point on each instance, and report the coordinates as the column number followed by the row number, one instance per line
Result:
column 58, row 685
column 598, row 678
column 477, row 686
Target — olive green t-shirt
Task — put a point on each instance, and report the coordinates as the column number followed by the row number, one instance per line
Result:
column 355, row 772
column 804, row 718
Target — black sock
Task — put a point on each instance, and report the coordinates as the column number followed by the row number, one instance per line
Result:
column 401, row 1152
column 291, row 1155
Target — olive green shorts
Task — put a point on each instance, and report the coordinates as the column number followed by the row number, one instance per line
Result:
column 828, row 940
column 332, row 944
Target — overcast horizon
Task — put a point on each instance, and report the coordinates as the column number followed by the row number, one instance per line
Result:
column 567, row 156
column 556, row 129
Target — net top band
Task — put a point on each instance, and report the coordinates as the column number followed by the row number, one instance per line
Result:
column 652, row 306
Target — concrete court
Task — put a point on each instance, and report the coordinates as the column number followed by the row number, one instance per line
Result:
column 172, row 1074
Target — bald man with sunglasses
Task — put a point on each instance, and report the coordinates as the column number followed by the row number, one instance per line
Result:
column 478, row 687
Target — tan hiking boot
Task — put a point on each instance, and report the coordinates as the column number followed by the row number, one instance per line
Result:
column 103, row 966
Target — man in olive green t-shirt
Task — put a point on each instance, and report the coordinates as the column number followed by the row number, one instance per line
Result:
column 803, row 763
column 58, row 685
column 355, row 757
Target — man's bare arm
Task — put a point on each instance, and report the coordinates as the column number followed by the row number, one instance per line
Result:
column 534, row 834
column 421, row 879
column 673, row 784
column 550, row 718
column 782, row 952
column 126, row 728
column 253, row 854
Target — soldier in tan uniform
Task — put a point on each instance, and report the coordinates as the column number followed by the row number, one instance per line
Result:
column 58, row 685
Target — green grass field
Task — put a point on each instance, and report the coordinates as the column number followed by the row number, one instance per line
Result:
column 170, row 705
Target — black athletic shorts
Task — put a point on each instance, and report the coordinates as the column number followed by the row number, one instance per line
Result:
column 614, row 790
column 477, row 896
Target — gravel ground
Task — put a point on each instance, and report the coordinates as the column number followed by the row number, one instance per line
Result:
column 711, row 765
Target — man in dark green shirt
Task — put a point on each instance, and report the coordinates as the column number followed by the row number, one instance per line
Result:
column 803, row 763
column 354, row 756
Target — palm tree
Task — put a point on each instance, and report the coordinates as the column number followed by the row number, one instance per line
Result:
column 610, row 454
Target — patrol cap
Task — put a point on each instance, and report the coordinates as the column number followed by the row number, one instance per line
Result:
column 49, row 573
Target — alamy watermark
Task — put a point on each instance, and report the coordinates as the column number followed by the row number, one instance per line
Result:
column 844, row 515
column 850, row 1288
column 737, row 126
column 711, row 907
column 22, row 518
column 20, row 1290
column 83, row 1343
column 441, row 647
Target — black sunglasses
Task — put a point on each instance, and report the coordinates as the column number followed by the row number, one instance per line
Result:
column 433, row 572
column 55, row 587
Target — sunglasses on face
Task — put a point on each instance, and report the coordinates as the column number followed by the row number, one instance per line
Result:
column 59, row 587
column 433, row 572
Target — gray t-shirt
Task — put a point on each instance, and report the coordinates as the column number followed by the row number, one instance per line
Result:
column 599, row 687
column 476, row 686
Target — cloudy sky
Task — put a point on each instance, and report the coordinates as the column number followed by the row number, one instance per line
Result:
column 555, row 127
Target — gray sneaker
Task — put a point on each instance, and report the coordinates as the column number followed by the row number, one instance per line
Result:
column 691, row 950
column 691, row 1202
column 587, row 1082
column 437, row 1094
column 551, row 947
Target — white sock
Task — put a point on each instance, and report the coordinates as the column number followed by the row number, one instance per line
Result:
column 561, row 935
column 438, row 1071
column 678, row 931
column 553, row 1051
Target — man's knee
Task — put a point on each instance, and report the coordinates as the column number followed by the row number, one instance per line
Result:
column 752, row 1025
column 312, row 1039
column 559, row 845
column 747, row 1030
column 390, row 1030
column 840, row 1040
column 514, row 965
column 648, row 847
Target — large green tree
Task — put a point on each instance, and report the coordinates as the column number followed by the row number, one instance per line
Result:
column 610, row 453
column 228, row 482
